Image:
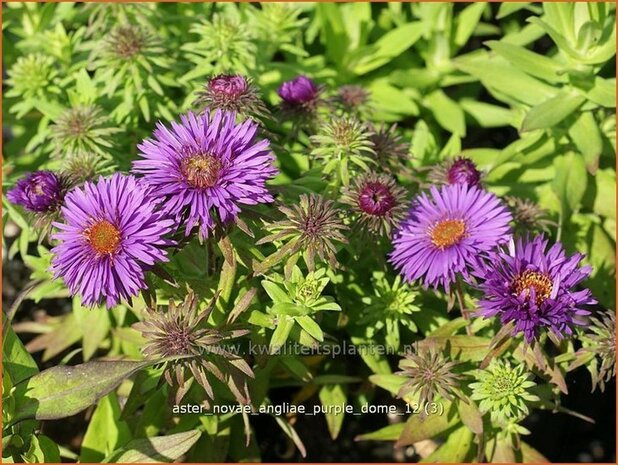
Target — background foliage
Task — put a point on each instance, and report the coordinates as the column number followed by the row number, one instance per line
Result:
column 525, row 90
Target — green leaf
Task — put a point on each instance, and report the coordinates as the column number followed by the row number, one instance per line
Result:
column 390, row 382
column 448, row 113
column 388, row 433
column 532, row 63
column 314, row 330
column 281, row 333
column 458, row 448
column 470, row 415
column 552, row 111
column 94, row 323
column 169, row 448
column 466, row 22
column 16, row 360
column 333, row 398
column 468, row 348
column 106, row 432
column 387, row 47
column 503, row 79
column 275, row 292
column 531, row 455
column 42, row 450
column 605, row 200
column 603, row 92
column 586, row 136
column 62, row 391
column 419, row 428
column 570, row 181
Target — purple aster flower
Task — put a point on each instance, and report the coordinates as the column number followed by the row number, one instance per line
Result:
column 41, row 191
column 299, row 91
column 112, row 233
column 205, row 167
column 446, row 231
column 534, row 288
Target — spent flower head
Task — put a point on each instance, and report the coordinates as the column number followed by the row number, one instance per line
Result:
column 353, row 99
column 82, row 129
column 430, row 374
column 377, row 201
column 528, row 216
column 343, row 144
column 600, row 340
column 391, row 152
column 312, row 226
column 232, row 92
column 503, row 390
column 198, row 350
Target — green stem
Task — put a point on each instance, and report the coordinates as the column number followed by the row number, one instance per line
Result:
column 460, row 300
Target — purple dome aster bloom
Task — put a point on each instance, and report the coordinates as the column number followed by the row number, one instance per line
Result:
column 533, row 287
column 39, row 192
column 205, row 167
column 112, row 233
column 463, row 171
column 299, row 91
column 445, row 233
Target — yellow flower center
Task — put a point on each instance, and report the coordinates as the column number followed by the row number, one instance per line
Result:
column 201, row 171
column 446, row 233
column 104, row 237
column 528, row 280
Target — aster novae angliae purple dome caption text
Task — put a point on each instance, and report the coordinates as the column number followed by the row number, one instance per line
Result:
column 113, row 232
column 205, row 167
column 535, row 288
column 445, row 233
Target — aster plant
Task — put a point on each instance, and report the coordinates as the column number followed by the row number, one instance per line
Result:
column 234, row 93
column 312, row 227
column 533, row 285
column 503, row 391
column 445, row 233
column 342, row 145
column 429, row 375
column 254, row 208
column 205, row 168
column 391, row 308
column 378, row 203
column 112, row 232
column 182, row 331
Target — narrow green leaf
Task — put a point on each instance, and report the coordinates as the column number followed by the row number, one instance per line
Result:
column 281, row 333
column 62, row 391
column 309, row 325
column 586, row 136
column 532, row 63
column 570, row 181
column 388, row 433
column 470, row 415
column 447, row 112
column 419, row 428
column 16, row 360
column 106, row 432
column 459, row 447
column 552, row 111
column 333, row 398
column 169, row 448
